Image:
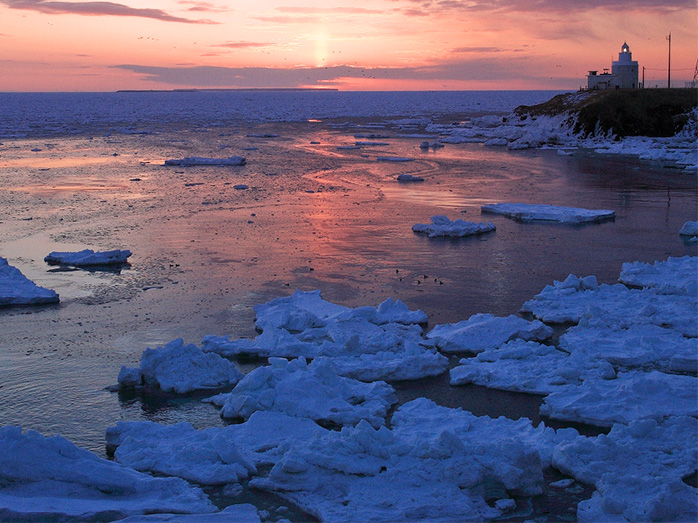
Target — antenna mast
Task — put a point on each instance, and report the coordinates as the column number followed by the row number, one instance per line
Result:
column 668, row 77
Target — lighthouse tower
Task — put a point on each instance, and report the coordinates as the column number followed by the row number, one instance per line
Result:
column 625, row 70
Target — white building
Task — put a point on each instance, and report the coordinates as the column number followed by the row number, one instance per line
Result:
column 623, row 75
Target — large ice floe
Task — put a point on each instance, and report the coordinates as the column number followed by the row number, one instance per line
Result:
column 637, row 470
column 673, row 276
column 528, row 212
column 575, row 298
column 50, row 479
column 17, row 289
column 690, row 231
column 180, row 368
column 213, row 456
column 199, row 160
column 313, row 391
column 366, row 343
column 240, row 513
column 88, row 257
column 442, row 226
column 486, row 331
column 435, row 464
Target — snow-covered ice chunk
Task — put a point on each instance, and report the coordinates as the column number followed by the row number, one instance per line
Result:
column 486, row 331
column 371, row 144
column 442, row 226
column 496, row 142
column 262, row 135
column 640, row 346
column 180, row 368
column 49, row 478
column 208, row 457
column 212, row 455
column 316, row 392
column 17, row 289
column 527, row 212
column 88, row 257
column 631, row 396
column 394, row 159
column 637, row 470
column 240, row 513
column 199, row 160
column 436, row 464
column 529, row 367
column 576, row 298
column 672, row 276
column 689, row 229
column 409, row 178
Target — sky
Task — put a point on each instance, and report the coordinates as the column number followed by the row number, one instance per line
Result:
column 344, row 44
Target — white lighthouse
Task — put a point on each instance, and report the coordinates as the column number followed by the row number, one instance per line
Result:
column 623, row 75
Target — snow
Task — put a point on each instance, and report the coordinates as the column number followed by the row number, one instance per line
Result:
column 409, row 178
column 529, row 367
column 629, row 397
column 637, row 470
column 436, row 464
column 211, row 456
column 49, row 478
column 198, row 160
column 486, row 331
column 672, row 276
column 576, row 298
column 548, row 213
column 313, row 391
column 240, row 513
column 180, row 368
column 88, row 257
column 442, row 226
column 17, row 289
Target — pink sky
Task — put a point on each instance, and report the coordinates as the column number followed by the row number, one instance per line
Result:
column 350, row 45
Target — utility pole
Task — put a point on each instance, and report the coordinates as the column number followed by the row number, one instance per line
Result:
column 668, row 77
column 643, row 76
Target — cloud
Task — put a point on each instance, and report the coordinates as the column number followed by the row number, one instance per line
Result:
column 97, row 9
column 478, row 50
column 542, row 6
column 243, row 45
column 205, row 7
column 327, row 10
column 288, row 19
column 477, row 69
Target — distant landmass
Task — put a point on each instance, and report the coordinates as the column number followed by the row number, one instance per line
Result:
column 227, row 89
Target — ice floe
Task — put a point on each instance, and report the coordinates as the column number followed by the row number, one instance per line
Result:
column 211, row 456
column 529, row 367
column 689, row 229
column 639, row 346
column 672, row 276
column 180, row 368
column 637, row 470
column 527, row 212
column 629, row 397
column 17, row 289
column 366, row 343
column 198, row 160
column 88, row 257
column 576, row 298
column 409, row 178
column 486, row 331
column 50, row 479
column 313, row 391
column 442, row 226
column 436, row 464
column 394, row 159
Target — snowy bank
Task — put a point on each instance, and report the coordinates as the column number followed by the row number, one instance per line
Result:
column 527, row 212
column 442, row 226
column 17, row 289
column 88, row 257
column 49, row 478
column 180, row 368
